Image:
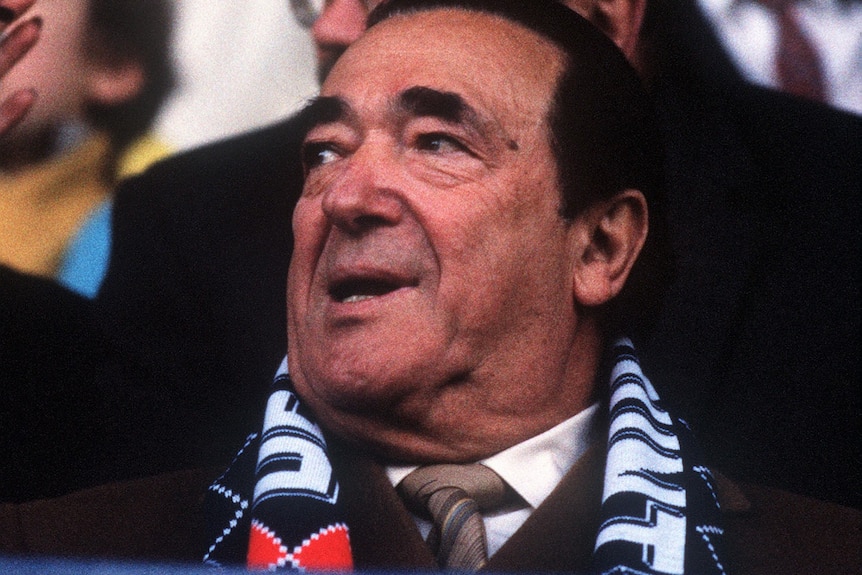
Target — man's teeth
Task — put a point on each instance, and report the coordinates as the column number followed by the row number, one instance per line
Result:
column 356, row 298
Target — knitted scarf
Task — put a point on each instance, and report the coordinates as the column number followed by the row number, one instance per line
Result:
column 659, row 512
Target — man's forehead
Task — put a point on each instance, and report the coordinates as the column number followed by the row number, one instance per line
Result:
column 450, row 50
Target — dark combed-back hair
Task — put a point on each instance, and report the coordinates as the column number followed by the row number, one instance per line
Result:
column 603, row 133
column 138, row 30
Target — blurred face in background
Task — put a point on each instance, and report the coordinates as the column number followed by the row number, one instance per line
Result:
column 71, row 68
column 334, row 25
column 57, row 68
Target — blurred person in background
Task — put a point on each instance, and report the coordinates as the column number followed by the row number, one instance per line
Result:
column 99, row 72
column 810, row 48
column 763, row 189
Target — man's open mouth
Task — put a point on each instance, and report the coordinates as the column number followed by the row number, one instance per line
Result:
column 352, row 290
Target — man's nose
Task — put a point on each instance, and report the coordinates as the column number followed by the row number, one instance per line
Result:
column 366, row 194
column 341, row 23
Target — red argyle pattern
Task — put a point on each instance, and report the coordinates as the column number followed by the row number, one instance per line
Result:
column 265, row 550
column 326, row 550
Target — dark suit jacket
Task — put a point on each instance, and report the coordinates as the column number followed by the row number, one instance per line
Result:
column 170, row 365
column 759, row 341
column 196, row 280
column 160, row 518
column 766, row 530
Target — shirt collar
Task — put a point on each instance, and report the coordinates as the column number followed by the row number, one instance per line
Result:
column 534, row 467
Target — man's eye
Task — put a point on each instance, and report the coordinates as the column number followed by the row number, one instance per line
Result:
column 440, row 143
column 318, row 154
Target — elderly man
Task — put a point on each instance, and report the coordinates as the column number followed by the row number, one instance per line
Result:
column 201, row 248
column 465, row 238
column 194, row 291
column 229, row 274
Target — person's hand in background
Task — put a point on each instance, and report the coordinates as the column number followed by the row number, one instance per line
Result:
column 15, row 41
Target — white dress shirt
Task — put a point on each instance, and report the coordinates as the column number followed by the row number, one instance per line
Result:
column 532, row 468
column 749, row 33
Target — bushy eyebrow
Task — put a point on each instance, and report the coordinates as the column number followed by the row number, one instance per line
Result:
column 323, row 110
column 447, row 106
column 417, row 101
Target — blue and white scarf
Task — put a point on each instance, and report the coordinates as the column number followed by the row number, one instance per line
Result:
column 659, row 512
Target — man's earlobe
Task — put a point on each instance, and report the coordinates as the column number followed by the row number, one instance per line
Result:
column 613, row 233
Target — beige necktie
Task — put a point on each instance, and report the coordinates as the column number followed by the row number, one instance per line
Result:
column 454, row 496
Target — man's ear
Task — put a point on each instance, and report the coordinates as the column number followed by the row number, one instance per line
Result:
column 610, row 235
column 620, row 19
column 114, row 81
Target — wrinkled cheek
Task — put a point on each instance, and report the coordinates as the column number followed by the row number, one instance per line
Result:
column 308, row 218
column 301, row 274
column 310, row 227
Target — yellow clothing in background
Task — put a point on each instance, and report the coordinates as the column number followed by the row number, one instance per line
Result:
column 140, row 154
column 42, row 207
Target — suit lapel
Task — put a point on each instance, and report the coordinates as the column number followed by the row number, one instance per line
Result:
column 558, row 536
column 561, row 533
column 382, row 532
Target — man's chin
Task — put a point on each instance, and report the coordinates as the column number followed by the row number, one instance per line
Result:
column 348, row 390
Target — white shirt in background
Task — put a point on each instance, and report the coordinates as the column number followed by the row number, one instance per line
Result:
column 749, row 33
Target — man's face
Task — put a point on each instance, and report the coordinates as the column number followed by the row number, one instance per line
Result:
column 430, row 302
column 340, row 24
